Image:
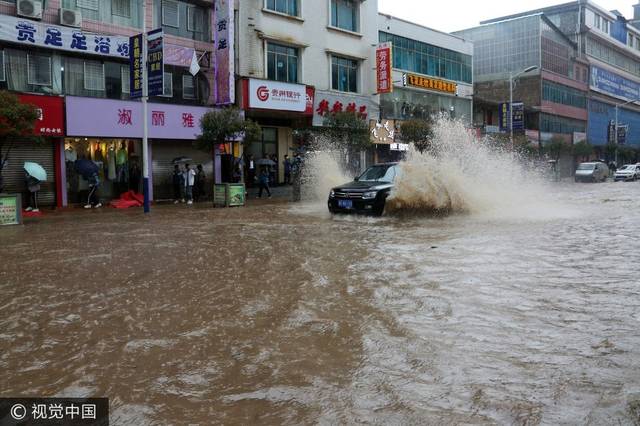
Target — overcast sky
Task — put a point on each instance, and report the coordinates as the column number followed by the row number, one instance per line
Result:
column 452, row 15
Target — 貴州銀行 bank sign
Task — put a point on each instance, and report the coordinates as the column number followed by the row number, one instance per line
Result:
column 613, row 84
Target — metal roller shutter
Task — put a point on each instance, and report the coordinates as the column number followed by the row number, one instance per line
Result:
column 41, row 153
column 163, row 152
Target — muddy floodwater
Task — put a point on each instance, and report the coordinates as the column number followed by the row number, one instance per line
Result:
column 280, row 314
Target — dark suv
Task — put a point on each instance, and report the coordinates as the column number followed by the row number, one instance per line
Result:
column 367, row 193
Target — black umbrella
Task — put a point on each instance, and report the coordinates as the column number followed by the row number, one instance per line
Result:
column 265, row 162
column 86, row 168
column 182, row 159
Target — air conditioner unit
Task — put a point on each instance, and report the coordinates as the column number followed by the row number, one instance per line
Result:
column 30, row 9
column 70, row 18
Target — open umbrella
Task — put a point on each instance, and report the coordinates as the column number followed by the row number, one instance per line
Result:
column 86, row 168
column 181, row 160
column 36, row 171
column 265, row 162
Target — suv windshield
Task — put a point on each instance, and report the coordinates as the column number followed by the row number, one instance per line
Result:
column 380, row 173
column 586, row 166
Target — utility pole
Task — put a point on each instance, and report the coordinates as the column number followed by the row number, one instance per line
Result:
column 145, row 98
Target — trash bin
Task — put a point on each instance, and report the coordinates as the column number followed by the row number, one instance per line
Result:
column 229, row 195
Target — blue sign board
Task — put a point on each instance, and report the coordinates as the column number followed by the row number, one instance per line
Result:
column 155, row 55
column 613, row 84
column 135, row 66
column 518, row 116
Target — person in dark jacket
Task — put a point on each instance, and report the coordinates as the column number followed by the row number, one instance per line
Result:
column 263, row 181
column 92, row 199
column 287, row 170
column 198, row 189
column 178, row 184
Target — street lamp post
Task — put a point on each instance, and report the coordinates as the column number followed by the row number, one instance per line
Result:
column 616, row 124
column 512, row 77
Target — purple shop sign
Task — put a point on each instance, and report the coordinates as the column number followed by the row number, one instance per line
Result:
column 177, row 55
column 223, row 36
column 108, row 118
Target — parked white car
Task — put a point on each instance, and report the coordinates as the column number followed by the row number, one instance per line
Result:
column 627, row 172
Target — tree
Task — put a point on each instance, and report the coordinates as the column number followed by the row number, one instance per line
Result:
column 347, row 129
column 556, row 147
column 222, row 125
column 582, row 150
column 16, row 120
column 418, row 132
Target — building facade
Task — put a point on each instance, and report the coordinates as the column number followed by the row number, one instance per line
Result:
column 300, row 59
column 431, row 74
column 72, row 59
column 606, row 58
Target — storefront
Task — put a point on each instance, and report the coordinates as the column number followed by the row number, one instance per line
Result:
column 50, row 127
column 278, row 108
column 109, row 132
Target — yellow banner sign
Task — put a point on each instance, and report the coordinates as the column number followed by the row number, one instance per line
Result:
column 429, row 83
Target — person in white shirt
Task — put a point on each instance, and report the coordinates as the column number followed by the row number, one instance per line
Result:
column 189, row 181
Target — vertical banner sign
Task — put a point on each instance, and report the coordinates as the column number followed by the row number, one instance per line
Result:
column 611, row 132
column 135, row 66
column 155, row 59
column 223, row 32
column 518, row 116
column 384, row 64
column 503, row 110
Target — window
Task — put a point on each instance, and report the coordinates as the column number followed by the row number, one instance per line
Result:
column 344, row 14
column 87, row 4
column 2, row 77
column 344, row 74
column 167, row 89
column 565, row 95
column 195, row 19
column 39, row 70
column 282, row 63
column 121, row 8
column 188, row 87
column 93, row 75
column 630, row 40
column 170, row 13
column 288, row 7
column 125, row 77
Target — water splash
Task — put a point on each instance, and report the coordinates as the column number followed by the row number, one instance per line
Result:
column 458, row 174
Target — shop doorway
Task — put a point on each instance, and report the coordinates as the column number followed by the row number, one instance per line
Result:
column 119, row 164
column 267, row 148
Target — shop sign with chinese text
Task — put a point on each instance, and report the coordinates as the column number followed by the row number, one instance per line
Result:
column 50, row 121
column 267, row 94
column 384, row 64
column 155, row 62
column 93, row 117
column 429, row 83
column 44, row 35
column 135, row 66
column 223, row 30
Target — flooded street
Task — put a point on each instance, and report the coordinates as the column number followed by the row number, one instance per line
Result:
column 280, row 314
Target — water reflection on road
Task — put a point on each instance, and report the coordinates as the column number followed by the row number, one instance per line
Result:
column 278, row 314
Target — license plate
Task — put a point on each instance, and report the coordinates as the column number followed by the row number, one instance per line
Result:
column 345, row 204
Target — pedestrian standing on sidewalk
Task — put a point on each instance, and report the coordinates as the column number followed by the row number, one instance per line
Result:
column 263, row 181
column 189, row 181
column 251, row 171
column 178, row 184
column 33, row 186
column 287, row 170
column 198, row 190
column 296, row 170
column 92, row 199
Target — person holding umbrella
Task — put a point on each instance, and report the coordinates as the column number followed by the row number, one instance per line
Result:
column 34, row 174
column 89, row 172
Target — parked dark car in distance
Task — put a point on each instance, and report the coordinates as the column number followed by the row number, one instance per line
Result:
column 367, row 193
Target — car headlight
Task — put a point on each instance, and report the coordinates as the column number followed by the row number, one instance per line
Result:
column 369, row 195
column 332, row 194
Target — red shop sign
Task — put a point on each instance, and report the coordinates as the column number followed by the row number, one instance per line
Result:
column 50, row 120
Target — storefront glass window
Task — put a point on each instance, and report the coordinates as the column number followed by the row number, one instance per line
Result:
column 423, row 58
column 404, row 104
column 344, row 74
column 344, row 14
column 288, row 7
column 118, row 162
column 282, row 63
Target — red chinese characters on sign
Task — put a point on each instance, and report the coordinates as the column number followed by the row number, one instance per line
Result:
column 384, row 64
column 157, row 118
column 187, row 119
column 50, row 121
column 324, row 108
column 125, row 117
